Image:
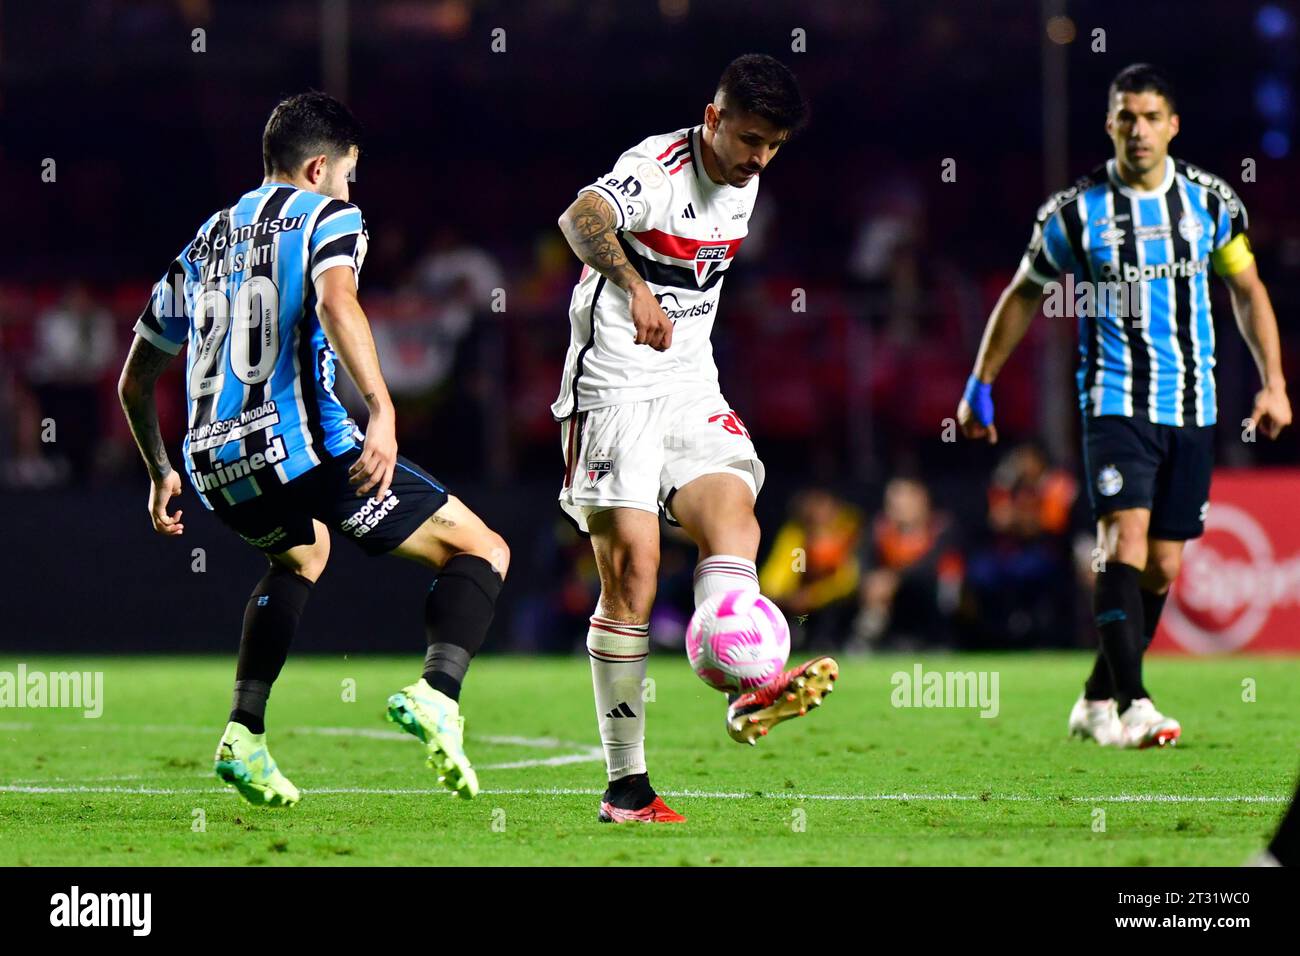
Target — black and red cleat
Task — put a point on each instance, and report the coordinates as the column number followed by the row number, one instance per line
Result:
column 791, row 693
column 631, row 799
column 656, row 811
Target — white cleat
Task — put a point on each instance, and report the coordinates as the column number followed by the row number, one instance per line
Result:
column 1097, row 720
column 1144, row 726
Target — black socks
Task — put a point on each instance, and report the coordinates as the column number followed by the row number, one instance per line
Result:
column 270, row 620
column 1099, row 685
column 1118, row 607
column 1152, row 605
column 631, row 792
column 457, row 613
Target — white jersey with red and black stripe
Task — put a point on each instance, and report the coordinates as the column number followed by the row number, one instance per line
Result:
column 680, row 231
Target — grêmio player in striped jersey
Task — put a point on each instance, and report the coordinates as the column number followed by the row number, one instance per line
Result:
column 1155, row 225
column 264, row 296
column 643, row 424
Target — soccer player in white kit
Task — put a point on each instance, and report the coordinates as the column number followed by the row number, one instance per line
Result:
column 644, row 425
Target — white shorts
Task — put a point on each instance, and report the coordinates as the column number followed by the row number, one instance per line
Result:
column 635, row 455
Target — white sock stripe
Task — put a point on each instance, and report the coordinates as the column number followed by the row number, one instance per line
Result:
column 727, row 559
column 606, row 622
column 617, row 658
column 728, row 572
column 617, row 644
column 603, row 636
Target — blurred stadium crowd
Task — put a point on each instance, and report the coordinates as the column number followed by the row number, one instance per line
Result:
column 847, row 326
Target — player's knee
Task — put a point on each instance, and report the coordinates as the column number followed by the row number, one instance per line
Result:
column 489, row 546
column 496, row 552
column 1125, row 536
column 308, row 562
column 734, row 531
column 1162, row 568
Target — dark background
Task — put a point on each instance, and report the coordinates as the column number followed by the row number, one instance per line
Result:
column 471, row 156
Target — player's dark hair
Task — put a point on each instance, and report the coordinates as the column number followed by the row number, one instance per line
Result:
column 763, row 85
column 308, row 124
column 1142, row 78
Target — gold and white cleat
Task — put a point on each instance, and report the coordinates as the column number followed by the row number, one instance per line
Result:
column 791, row 693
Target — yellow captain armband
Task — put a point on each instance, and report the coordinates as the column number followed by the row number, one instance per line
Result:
column 1233, row 257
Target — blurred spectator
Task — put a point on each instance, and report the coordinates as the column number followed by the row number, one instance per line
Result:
column 812, row 570
column 459, row 274
column 1020, row 585
column 885, row 256
column 912, row 571
column 74, row 352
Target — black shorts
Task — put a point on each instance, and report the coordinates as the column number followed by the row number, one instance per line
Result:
column 281, row 518
column 1134, row 463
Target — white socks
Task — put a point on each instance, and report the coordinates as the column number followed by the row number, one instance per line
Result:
column 724, row 572
column 618, row 665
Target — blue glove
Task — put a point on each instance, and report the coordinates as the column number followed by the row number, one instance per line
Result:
column 979, row 396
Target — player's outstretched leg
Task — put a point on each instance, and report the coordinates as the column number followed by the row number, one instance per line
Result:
column 717, row 511
column 270, row 622
column 626, row 545
column 471, row 560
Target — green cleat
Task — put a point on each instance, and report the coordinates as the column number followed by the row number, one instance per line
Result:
column 243, row 761
column 435, row 719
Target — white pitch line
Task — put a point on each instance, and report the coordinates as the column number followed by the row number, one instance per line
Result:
column 590, row 755
column 694, row 794
column 584, row 753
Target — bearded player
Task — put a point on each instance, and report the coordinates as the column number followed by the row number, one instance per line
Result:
column 644, row 426
column 1142, row 233
column 265, row 296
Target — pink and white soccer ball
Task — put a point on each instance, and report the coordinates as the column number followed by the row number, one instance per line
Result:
column 737, row 640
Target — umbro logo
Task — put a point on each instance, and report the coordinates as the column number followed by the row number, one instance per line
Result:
column 689, row 211
column 622, row 710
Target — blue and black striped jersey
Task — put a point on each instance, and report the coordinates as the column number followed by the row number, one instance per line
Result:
column 1157, row 360
column 260, row 371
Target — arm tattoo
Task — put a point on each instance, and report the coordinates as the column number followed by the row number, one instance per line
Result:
column 143, row 366
column 589, row 225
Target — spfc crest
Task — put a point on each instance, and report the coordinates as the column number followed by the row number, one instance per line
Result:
column 598, row 468
column 707, row 260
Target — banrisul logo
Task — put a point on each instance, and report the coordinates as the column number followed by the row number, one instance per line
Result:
column 75, row 908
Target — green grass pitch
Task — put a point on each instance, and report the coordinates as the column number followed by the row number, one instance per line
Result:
column 858, row 782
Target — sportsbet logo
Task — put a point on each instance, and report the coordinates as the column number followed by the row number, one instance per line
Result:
column 364, row 520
